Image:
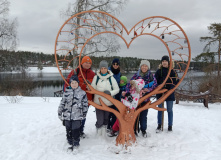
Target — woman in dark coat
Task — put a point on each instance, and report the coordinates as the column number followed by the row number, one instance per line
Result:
column 115, row 69
column 160, row 76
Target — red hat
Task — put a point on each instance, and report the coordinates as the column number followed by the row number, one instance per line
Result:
column 86, row 59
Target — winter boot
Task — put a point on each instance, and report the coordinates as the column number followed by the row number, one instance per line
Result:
column 158, row 128
column 70, row 149
column 144, row 134
column 82, row 134
column 170, row 128
column 75, row 150
column 112, row 133
column 104, row 131
column 99, row 132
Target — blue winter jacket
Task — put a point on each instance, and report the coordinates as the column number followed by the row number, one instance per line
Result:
column 116, row 76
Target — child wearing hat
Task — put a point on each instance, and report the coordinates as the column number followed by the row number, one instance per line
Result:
column 72, row 110
column 104, row 82
column 123, row 83
column 88, row 74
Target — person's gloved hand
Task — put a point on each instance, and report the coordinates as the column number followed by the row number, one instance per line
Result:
column 130, row 98
column 60, row 117
column 87, row 82
column 149, row 85
column 84, row 114
column 107, row 92
column 127, row 94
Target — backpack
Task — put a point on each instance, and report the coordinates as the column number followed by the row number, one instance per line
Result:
column 109, row 81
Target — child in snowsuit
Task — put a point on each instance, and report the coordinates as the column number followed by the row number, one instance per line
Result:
column 123, row 83
column 130, row 99
column 72, row 110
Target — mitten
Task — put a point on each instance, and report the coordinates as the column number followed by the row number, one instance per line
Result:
column 127, row 94
column 130, row 98
column 107, row 92
column 84, row 114
column 149, row 85
column 60, row 117
column 87, row 82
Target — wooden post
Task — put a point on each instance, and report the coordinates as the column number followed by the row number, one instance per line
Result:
column 206, row 101
column 162, row 117
column 177, row 98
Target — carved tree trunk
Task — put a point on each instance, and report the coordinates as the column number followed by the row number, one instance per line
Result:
column 126, row 134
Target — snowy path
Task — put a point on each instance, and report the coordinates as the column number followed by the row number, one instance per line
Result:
column 31, row 130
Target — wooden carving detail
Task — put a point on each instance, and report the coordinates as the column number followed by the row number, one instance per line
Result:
column 168, row 32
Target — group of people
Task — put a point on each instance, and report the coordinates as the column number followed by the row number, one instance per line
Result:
column 74, row 105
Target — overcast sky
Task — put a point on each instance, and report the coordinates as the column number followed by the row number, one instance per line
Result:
column 40, row 20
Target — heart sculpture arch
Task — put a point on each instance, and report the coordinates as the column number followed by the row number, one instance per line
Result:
column 79, row 31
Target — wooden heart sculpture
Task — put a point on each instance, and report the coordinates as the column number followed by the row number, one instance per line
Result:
column 78, row 32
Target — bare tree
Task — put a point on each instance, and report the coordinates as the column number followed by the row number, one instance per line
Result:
column 8, row 28
column 101, row 44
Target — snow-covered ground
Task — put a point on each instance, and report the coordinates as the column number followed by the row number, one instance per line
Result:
column 31, row 130
column 44, row 70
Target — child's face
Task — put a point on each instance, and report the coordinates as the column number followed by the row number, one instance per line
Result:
column 121, row 81
column 132, row 86
column 74, row 84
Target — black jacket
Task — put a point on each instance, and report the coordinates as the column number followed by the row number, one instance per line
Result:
column 160, row 76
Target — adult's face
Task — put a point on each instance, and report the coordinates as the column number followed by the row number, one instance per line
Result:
column 144, row 68
column 103, row 70
column 165, row 63
column 115, row 66
column 86, row 65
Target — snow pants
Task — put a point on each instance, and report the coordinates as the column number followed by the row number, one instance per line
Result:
column 73, row 132
column 102, row 118
column 112, row 118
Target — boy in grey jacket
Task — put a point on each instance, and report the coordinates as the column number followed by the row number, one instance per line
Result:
column 72, row 110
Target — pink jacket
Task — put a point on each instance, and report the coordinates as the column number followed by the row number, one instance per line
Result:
column 135, row 93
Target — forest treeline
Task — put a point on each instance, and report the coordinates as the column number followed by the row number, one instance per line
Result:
column 20, row 60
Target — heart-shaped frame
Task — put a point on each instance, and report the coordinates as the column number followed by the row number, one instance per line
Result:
column 164, row 29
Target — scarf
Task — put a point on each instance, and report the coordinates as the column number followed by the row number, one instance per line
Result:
column 104, row 74
column 115, row 71
column 143, row 74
